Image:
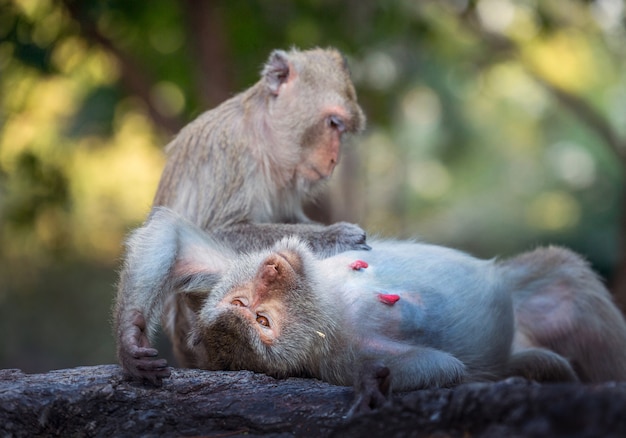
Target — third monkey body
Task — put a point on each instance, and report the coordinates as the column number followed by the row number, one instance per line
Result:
column 423, row 315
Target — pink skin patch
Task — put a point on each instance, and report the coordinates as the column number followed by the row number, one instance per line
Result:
column 359, row 264
column 388, row 299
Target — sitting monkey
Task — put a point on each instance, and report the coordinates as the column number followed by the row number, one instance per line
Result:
column 410, row 314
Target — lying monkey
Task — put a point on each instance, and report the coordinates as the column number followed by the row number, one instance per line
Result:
column 412, row 314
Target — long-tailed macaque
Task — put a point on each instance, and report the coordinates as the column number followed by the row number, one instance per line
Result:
column 418, row 315
column 243, row 169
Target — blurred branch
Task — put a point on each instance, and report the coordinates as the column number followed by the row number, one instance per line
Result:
column 133, row 77
column 500, row 45
column 586, row 114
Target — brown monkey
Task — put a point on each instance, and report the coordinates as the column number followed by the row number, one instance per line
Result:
column 243, row 169
column 414, row 314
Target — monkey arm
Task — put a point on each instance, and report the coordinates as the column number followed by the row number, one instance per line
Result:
column 134, row 352
column 151, row 252
column 324, row 240
column 161, row 257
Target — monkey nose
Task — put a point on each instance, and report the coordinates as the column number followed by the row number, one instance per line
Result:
column 269, row 272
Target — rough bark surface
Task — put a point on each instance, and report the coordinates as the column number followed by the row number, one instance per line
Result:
column 98, row 401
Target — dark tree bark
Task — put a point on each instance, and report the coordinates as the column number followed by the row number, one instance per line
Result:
column 98, row 401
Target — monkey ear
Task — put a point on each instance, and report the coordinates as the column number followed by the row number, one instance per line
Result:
column 194, row 300
column 277, row 70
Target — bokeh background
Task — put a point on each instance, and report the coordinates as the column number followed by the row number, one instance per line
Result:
column 493, row 126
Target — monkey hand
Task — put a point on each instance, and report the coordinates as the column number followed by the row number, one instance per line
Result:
column 373, row 389
column 136, row 356
column 340, row 237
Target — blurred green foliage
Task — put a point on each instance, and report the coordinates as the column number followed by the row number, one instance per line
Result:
column 493, row 126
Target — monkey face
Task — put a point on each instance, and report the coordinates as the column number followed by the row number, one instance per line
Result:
column 262, row 300
column 267, row 317
column 321, row 80
column 322, row 146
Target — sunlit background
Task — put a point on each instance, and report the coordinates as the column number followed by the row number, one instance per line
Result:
column 493, row 126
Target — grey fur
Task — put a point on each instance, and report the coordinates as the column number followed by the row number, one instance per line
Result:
column 543, row 315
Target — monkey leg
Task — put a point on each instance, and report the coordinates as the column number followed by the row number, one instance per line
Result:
column 541, row 365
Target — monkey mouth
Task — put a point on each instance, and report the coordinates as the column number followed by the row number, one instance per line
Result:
column 316, row 175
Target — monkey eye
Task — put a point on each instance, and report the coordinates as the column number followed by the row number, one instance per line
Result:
column 238, row 303
column 336, row 122
column 262, row 320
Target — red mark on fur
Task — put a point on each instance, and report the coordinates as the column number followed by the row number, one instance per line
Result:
column 388, row 299
column 359, row 264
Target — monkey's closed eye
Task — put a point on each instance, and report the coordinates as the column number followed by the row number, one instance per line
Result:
column 263, row 320
column 337, row 123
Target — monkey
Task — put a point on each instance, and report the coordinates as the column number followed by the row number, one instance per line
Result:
column 242, row 170
column 405, row 315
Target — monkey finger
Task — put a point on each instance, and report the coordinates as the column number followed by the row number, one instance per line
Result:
column 139, row 352
column 152, row 365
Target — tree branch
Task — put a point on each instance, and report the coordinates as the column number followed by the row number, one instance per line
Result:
column 98, row 401
column 133, row 77
column 587, row 115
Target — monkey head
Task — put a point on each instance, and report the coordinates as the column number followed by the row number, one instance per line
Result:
column 313, row 102
column 264, row 315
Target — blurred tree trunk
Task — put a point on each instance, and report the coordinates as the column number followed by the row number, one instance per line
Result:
column 208, row 40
